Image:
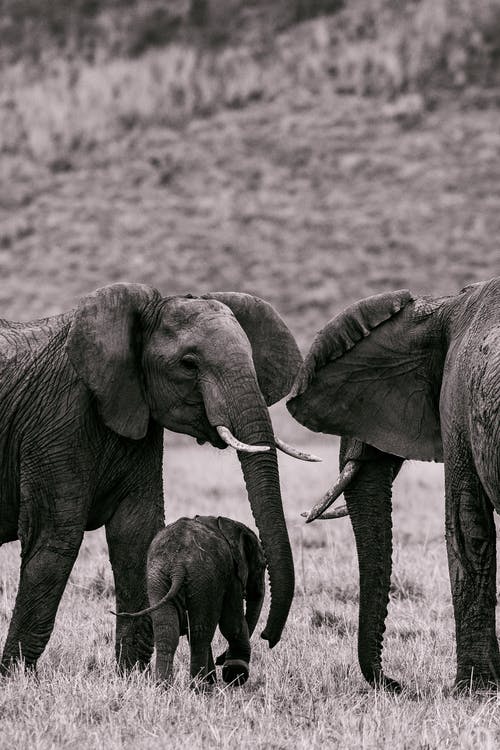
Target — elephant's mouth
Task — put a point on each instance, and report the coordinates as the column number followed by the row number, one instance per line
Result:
column 211, row 436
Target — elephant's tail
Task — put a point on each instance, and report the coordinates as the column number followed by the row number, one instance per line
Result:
column 177, row 581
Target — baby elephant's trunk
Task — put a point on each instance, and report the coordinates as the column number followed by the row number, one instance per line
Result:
column 177, row 581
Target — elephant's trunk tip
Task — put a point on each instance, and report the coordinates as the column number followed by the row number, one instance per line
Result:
column 271, row 639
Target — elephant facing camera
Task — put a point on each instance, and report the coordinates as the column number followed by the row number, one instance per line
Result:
column 200, row 571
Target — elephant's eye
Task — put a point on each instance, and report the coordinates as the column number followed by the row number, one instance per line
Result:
column 188, row 362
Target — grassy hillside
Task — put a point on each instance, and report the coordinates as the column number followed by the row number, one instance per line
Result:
column 310, row 201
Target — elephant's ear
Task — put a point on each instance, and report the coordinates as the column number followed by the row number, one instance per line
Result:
column 276, row 355
column 374, row 373
column 256, row 562
column 104, row 344
column 233, row 533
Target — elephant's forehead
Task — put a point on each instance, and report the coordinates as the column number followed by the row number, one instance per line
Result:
column 197, row 315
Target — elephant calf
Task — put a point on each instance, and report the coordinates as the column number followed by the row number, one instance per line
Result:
column 199, row 570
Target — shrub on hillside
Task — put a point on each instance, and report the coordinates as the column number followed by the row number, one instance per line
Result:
column 389, row 48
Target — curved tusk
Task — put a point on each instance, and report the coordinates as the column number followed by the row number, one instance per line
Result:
column 337, row 513
column 291, row 451
column 228, row 437
column 346, row 475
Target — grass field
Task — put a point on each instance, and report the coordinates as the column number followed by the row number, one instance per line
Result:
column 308, row 691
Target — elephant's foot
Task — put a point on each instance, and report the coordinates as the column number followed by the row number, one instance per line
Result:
column 463, row 688
column 10, row 665
column 387, row 683
column 481, row 675
column 235, row 672
column 476, row 681
column 380, row 681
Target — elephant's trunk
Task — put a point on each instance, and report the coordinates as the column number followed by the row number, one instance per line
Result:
column 262, row 481
column 369, row 501
column 244, row 412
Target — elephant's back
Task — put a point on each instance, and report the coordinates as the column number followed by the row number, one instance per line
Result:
column 21, row 341
column 204, row 557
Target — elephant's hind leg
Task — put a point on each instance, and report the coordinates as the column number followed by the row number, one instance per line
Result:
column 166, row 629
column 202, row 669
column 471, row 545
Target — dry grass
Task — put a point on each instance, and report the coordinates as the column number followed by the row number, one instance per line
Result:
column 307, row 692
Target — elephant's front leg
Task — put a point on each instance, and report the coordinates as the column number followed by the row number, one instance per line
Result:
column 129, row 533
column 234, row 628
column 471, row 545
column 44, row 572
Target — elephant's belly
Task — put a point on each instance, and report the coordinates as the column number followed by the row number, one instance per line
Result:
column 100, row 512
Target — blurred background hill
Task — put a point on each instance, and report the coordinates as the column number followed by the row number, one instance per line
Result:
column 311, row 152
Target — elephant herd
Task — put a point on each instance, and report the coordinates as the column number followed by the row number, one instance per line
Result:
column 86, row 395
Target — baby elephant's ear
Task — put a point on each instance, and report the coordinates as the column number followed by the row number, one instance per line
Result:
column 233, row 534
column 256, row 563
column 104, row 347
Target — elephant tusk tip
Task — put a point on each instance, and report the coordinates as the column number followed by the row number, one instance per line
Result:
column 295, row 452
column 305, row 515
column 312, row 458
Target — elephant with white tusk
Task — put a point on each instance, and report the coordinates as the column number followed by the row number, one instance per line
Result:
column 85, row 397
column 403, row 377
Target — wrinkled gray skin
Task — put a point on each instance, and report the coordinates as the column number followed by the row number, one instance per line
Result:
column 417, row 378
column 84, row 400
column 199, row 572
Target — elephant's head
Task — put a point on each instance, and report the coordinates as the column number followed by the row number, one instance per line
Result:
column 204, row 366
column 374, row 373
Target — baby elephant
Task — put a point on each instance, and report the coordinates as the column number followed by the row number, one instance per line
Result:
column 199, row 571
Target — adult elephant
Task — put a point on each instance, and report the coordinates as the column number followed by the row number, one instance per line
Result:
column 415, row 378
column 84, row 399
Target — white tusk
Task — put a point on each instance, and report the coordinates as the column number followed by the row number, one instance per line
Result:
column 347, row 474
column 291, row 451
column 228, row 437
column 337, row 513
